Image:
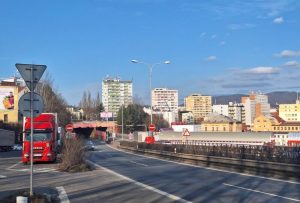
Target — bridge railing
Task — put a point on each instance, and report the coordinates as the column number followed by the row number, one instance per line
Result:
column 277, row 154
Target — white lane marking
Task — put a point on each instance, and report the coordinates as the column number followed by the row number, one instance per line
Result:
column 173, row 197
column 1, row 176
column 62, row 195
column 37, row 170
column 12, row 158
column 12, row 166
column 265, row 193
column 138, row 163
column 208, row 168
column 45, row 170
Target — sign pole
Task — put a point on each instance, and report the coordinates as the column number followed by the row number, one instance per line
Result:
column 31, row 74
column 31, row 133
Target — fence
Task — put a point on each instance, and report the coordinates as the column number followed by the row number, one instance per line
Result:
column 259, row 153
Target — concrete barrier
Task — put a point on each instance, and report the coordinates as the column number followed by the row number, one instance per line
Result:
column 269, row 169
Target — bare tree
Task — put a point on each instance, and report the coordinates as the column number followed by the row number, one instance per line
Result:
column 91, row 107
column 53, row 101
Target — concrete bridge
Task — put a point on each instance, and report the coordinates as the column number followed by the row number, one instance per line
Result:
column 92, row 129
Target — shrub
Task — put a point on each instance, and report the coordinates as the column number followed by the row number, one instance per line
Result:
column 72, row 156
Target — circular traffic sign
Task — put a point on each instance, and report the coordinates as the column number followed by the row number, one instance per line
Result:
column 152, row 127
column 24, row 105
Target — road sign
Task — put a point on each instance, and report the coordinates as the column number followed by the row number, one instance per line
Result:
column 152, row 127
column 31, row 74
column 24, row 104
column 186, row 132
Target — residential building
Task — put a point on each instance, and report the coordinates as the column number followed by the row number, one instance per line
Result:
column 215, row 122
column 273, row 123
column 256, row 104
column 237, row 112
column 264, row 123
column 76, row 113
column 221, row 109
column 199, row 105
column 290, row 112
column 187, row 117
column 165, row 100
column 116, row 93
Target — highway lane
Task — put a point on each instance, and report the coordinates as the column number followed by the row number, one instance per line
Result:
column 89, row 187
column 195, row 184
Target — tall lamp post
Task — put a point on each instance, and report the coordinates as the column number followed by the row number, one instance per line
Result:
column 150, row 66
column 122, row 122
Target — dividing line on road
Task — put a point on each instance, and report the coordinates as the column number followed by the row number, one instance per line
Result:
column 12, row 166
column 138, row 163
column 173, row 197
column 62, row 195
column 11, row 158
column 1, row 176
column 265, row 193
column 208, row 168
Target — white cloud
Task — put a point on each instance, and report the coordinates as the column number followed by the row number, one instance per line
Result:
column 262, row 70
column 211, row 58
column 278, row 20
column 289, row 53
column 292, row 64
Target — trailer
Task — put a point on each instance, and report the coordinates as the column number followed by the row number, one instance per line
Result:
column 7, row 140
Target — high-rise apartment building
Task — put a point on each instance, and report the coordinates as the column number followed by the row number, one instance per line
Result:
column 165, row 100
column 199, row 105
column 116, row 93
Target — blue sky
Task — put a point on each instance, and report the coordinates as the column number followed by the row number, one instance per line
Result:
column 216, row 47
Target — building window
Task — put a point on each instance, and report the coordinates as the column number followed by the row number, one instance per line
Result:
column 5, row 118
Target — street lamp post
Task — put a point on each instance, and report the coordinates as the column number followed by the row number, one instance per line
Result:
column 150, row 66
column 122, row 122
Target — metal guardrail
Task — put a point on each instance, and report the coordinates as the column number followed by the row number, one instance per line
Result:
column 290, row 155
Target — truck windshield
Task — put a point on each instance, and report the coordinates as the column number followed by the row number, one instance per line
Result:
column 39, row 136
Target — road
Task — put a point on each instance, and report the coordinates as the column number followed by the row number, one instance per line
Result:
column 124, row 177
column 185, row 183
column 89, row 187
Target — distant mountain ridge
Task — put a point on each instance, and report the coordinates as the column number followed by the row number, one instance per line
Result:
column 275, row 98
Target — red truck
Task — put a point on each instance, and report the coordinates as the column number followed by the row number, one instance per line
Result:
column 45, row 138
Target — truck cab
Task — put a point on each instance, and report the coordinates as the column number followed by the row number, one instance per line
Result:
column 44, row 138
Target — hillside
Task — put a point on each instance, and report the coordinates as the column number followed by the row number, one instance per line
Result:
column 282, row 97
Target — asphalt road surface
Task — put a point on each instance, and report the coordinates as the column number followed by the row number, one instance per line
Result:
column 185, row 183
column 124, row 177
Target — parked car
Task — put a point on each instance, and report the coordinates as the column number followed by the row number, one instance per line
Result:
column 17, row 147
column 89, row 146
